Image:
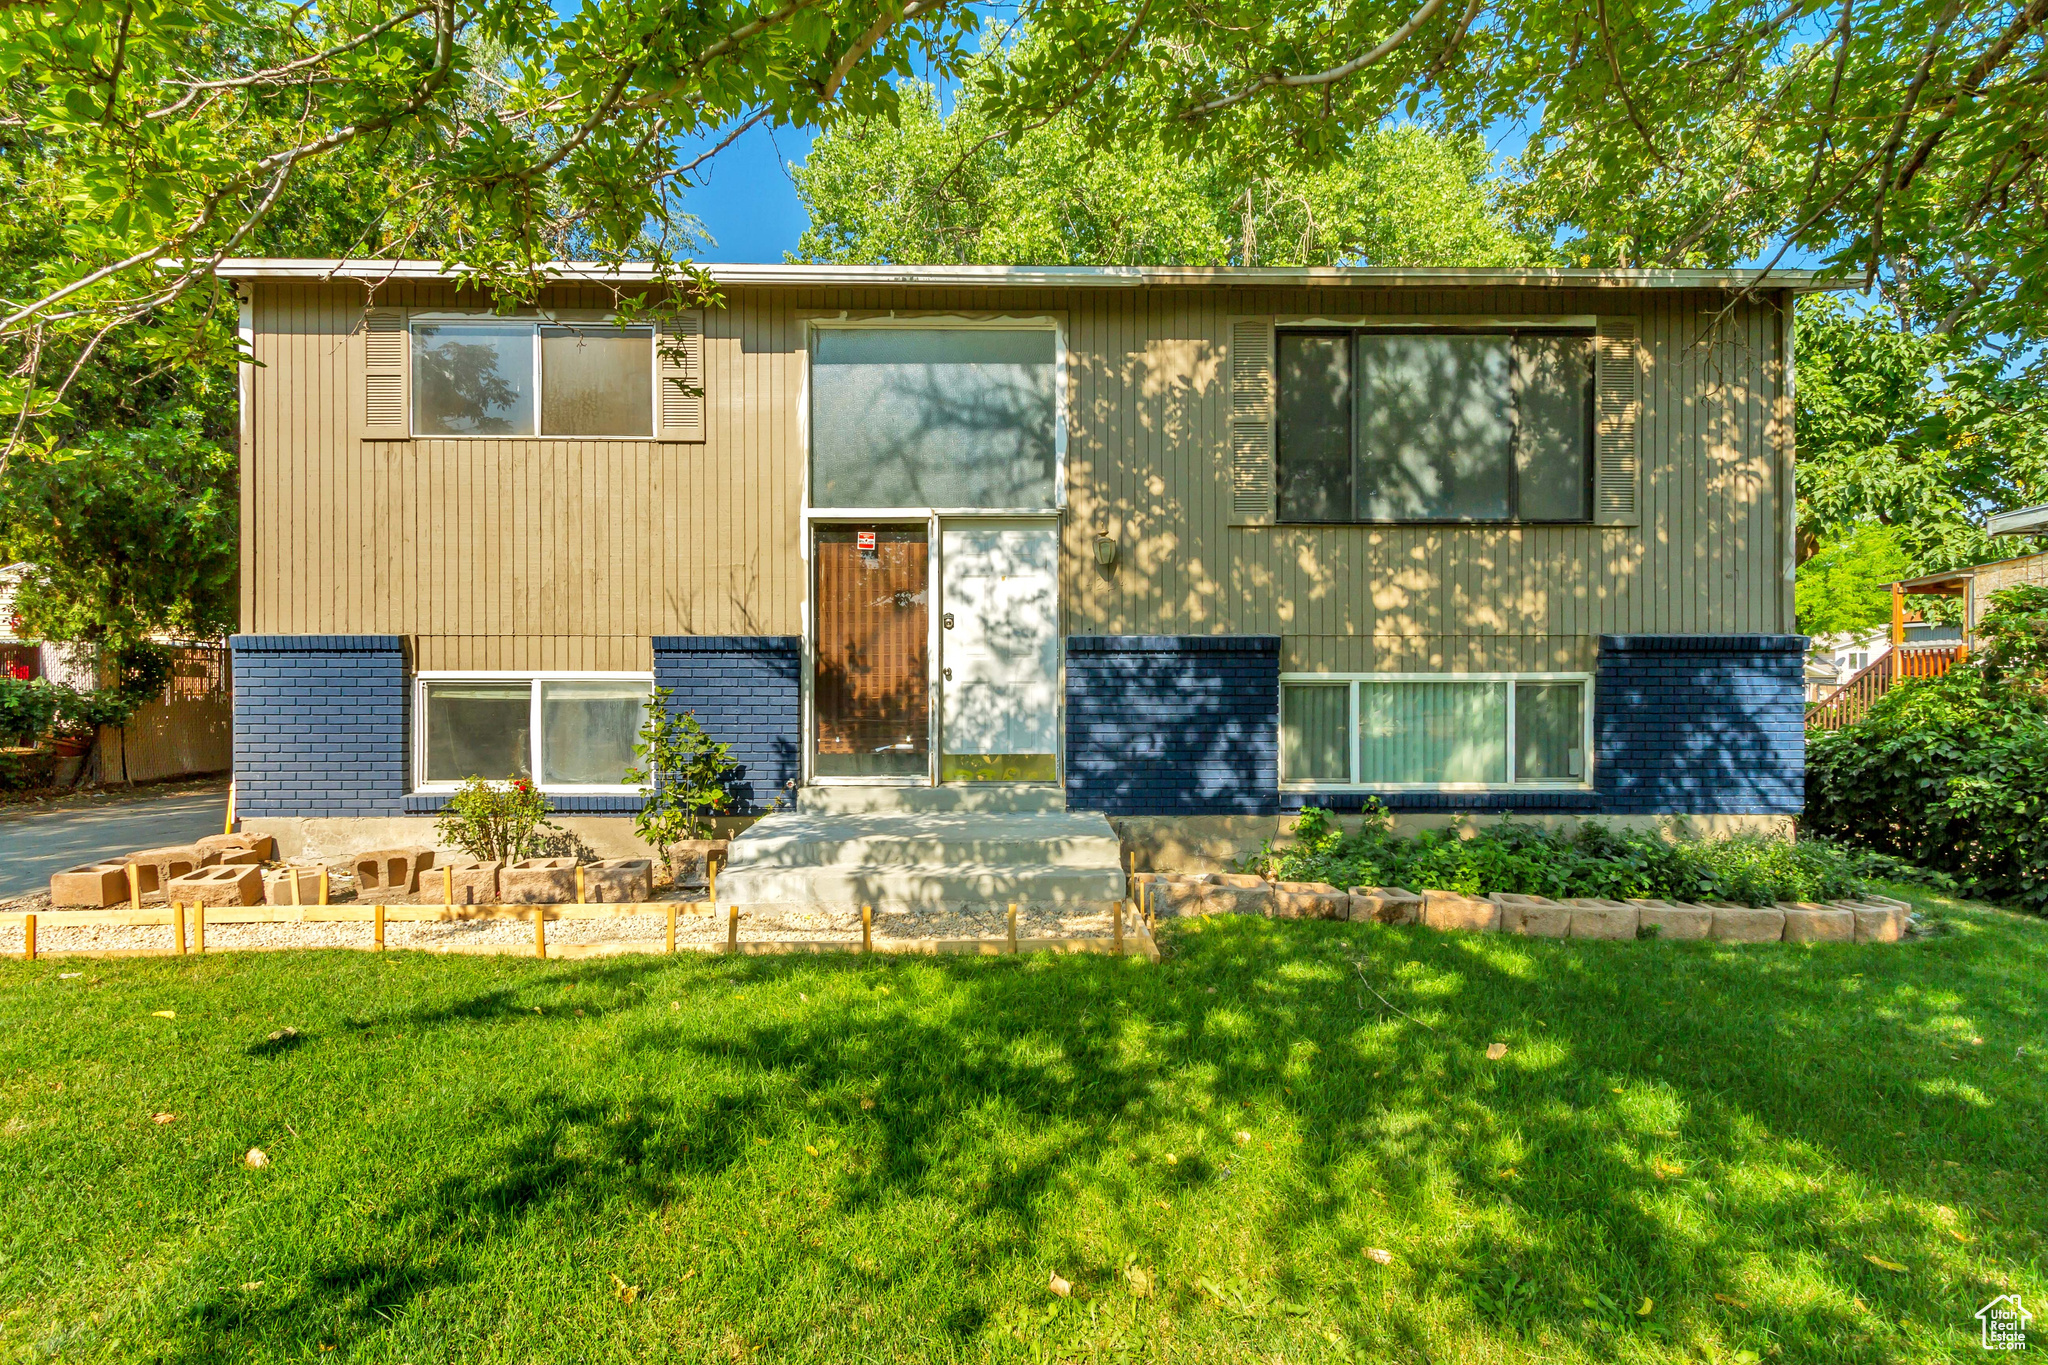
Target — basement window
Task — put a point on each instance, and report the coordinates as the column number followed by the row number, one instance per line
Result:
column 576, row 731
column 503, row 377
column 1435, row 732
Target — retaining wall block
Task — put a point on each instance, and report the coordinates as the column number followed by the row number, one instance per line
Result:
column 1597, row 917
column 1674, row 921
column 538, row 881
column 1806, row 922
column 1385, row 905
column 391, row 869
column 1533, row 916
column 1309, row 900
column 264, row 847
column 277, row 885
column 1879, row 923
column 619, row 881
column 156, row 866
column 234, row 884
column 97, row 885
column 1747, row 924
column 1449, row 910
column 469, row 882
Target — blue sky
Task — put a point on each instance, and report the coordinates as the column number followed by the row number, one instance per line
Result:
column 749, row 205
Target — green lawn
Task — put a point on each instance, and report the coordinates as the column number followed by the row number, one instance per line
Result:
column 1689, row 1152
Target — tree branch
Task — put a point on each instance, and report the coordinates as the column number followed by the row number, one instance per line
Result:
column 276, row 73
column 866, row 42
column 1335, row 73
column 1621, row 82
column 1980, row 72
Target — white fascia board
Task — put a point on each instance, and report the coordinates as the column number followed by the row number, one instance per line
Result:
column 2026, row 521
column 1071, row 277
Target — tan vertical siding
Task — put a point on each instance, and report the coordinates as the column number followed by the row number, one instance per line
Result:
column 546, row 553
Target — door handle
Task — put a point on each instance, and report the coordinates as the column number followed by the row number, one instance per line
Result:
column 947, row 674
column 947, row 620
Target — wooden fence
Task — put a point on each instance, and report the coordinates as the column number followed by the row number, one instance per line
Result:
column 1849, row 703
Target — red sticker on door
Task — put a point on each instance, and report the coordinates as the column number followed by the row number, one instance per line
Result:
column 865, row 541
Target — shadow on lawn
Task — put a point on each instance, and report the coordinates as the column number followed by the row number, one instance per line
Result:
column 1562, row 1180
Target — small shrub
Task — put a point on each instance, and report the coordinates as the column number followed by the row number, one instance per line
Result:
column 1591, row 860
column 688, row 770
column 496, row 821
column 28, row 707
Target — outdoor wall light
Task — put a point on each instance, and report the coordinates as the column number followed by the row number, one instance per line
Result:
column 1105, row 551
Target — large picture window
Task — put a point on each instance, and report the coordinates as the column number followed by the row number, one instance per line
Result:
column 503, row 377
column 1434, row 426
column 571, row 732
column 1436, row 731
column 911, row 416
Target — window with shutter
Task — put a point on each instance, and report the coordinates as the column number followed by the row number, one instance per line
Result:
column 384, row 409
column 1617, row 476
column 682, row 376
column 1251, row 421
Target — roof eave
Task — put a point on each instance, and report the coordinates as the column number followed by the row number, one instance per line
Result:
column 1086, row 277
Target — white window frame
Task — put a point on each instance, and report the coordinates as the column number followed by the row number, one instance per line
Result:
column 1351, row 784
column 941, row 322
column 533, row 729
column 536, row 322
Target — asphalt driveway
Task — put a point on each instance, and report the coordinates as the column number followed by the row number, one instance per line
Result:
column 36, row 842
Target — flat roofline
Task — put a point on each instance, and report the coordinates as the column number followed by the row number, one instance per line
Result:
column 1062, row 276
column 2023, row 521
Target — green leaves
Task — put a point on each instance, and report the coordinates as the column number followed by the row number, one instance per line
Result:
column 1952, row 772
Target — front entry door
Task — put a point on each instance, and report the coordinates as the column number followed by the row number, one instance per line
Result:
column 999, row 652
column 872, row 692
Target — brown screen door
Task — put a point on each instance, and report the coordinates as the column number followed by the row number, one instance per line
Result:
column 872, row 695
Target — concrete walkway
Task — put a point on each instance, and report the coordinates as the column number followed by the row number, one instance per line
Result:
column 34, row 843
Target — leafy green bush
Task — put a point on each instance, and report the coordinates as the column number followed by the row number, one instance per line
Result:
column 496, row 821
column 27, row 708
column 1952, row 772
column 1591, row 860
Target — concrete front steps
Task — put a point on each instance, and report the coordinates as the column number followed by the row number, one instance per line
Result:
column 956, row 862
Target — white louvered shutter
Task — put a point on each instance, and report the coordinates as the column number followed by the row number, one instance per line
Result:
column 681, row 370
column 1617, row 460
column 1251, row 421
column 384, row 408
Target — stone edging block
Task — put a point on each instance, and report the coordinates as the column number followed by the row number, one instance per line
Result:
column 1869, row 919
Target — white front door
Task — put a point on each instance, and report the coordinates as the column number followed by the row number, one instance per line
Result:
column 999, row 651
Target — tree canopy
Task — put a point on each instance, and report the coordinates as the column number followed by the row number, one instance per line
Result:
column 1906, row 442
column 930, row 187
column 1898, row 141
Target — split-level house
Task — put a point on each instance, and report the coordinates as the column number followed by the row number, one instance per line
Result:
column 1188, row 548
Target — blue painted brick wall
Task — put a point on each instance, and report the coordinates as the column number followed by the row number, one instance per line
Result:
column 747, row 691
column 1173, row 724
column 320, row 724
column 1701, row 725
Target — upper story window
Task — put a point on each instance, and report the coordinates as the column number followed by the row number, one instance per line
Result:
column 938, row 416
column 1434, row 426
column 500, row 377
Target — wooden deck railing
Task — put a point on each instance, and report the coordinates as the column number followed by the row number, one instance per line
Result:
column 1848, row 703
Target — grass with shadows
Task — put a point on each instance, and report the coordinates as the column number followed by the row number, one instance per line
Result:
column 1688, row 1152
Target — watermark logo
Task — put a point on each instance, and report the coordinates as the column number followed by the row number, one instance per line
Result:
column 2005, row 1321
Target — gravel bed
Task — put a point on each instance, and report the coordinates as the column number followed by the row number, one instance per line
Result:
column 695, row 924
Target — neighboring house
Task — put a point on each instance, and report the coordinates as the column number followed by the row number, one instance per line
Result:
column 1832, row 660
column 187, row 730
column 1973, row 585
column 1189, row 547
column 72, row 665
